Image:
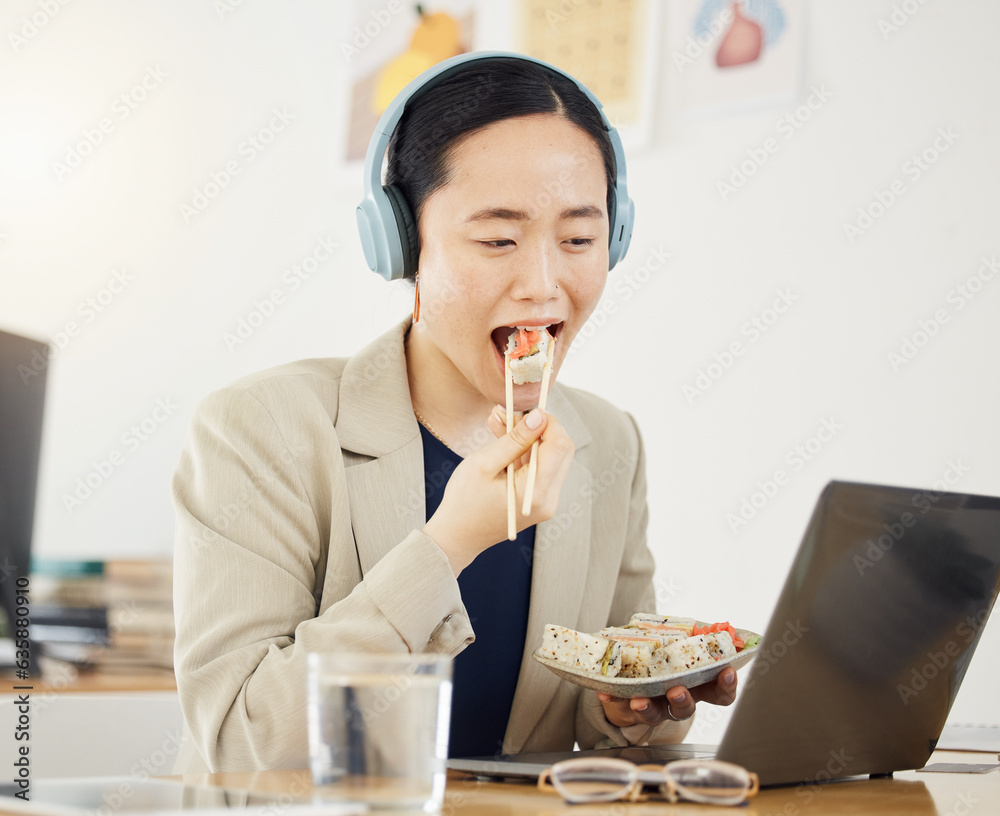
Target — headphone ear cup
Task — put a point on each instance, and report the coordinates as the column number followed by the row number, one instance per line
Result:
column 406, row 224
column 621, row 227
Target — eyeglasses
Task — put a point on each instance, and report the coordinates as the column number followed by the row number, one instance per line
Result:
column 708, row 781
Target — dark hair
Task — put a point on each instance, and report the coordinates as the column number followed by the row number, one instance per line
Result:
column 488, row 91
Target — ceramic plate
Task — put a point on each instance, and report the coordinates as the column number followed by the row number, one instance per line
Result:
column 649, row 686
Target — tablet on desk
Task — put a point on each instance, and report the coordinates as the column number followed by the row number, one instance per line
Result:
column 97, row 796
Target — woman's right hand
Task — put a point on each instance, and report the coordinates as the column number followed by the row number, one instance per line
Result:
column 472, row 516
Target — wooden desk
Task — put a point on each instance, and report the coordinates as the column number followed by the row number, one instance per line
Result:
column 907, row 794
column 91, row 681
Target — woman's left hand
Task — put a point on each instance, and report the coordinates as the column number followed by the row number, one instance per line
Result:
column 679, row 702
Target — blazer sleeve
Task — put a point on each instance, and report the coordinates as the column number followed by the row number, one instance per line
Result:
column 634, row 592
column 262, row 517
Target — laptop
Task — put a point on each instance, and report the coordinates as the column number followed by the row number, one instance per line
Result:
column 866, row 649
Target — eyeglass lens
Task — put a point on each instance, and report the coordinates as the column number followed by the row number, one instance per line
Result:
column 711, row 781
column 594, row 781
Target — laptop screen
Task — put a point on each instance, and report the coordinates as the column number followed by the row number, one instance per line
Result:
column 23, row 364
column 871, row 637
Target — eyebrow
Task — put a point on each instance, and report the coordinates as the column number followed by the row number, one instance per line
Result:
column 585, row 211
column 497, row 213
column 507, row 214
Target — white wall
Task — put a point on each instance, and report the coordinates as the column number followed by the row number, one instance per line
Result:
column 218, row 80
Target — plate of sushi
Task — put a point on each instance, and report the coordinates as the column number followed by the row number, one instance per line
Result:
column 648, row 655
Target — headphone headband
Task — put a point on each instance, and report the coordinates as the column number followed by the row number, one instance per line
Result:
column 384, row 227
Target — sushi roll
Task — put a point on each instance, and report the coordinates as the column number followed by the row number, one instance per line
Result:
column 682, row 655
column 662, row 623
column 580, row 651
column 635, row 653
column 528, row 349
column 720, row 645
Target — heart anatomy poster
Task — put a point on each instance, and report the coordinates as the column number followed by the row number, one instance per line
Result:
column 728, row 55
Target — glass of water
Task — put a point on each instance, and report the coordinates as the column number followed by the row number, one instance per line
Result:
column 378, row 728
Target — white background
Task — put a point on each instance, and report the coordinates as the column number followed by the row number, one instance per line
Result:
column 191, row 280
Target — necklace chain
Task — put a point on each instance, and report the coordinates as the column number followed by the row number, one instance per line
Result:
column 427, row 425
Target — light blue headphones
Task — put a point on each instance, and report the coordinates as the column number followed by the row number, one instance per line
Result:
column 387, row 226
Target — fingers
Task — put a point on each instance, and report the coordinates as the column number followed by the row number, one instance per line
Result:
column 555, row 454
column 681, row 703
column 508, row 447
column 722, row 691
column 623, row 712
column 497, row 423
column 647, row 711
column 617, row 710
column 678, row 703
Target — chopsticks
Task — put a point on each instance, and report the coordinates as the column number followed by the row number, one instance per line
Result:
column 529, row 489
column 511, row 498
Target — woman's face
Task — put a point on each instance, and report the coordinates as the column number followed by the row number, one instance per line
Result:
column 517, row 237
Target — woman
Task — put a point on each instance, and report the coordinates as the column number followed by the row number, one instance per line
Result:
column 358, row 504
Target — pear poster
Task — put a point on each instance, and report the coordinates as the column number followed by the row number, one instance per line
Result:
column 727, row 55
column 390, row 43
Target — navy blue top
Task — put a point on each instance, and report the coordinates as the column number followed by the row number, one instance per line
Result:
column 496, row 589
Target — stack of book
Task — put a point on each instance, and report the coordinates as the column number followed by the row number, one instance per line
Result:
column 114, row 615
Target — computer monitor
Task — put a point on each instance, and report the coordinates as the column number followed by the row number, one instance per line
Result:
column 23, row 366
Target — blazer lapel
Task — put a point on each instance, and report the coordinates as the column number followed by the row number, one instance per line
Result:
column 559, row 572
column 376, row 425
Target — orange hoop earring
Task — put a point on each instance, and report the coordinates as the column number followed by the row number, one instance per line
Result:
column 416, row 298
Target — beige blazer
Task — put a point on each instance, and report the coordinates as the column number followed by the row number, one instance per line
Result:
column 299, row 499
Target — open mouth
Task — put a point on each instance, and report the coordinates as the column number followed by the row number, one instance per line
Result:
column 501, row 334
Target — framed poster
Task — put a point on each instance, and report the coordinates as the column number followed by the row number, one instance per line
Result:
column 726, row 56
column 611, row 46
column 389, row 44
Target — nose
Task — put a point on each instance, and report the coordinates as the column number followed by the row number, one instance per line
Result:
column 538, row 275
